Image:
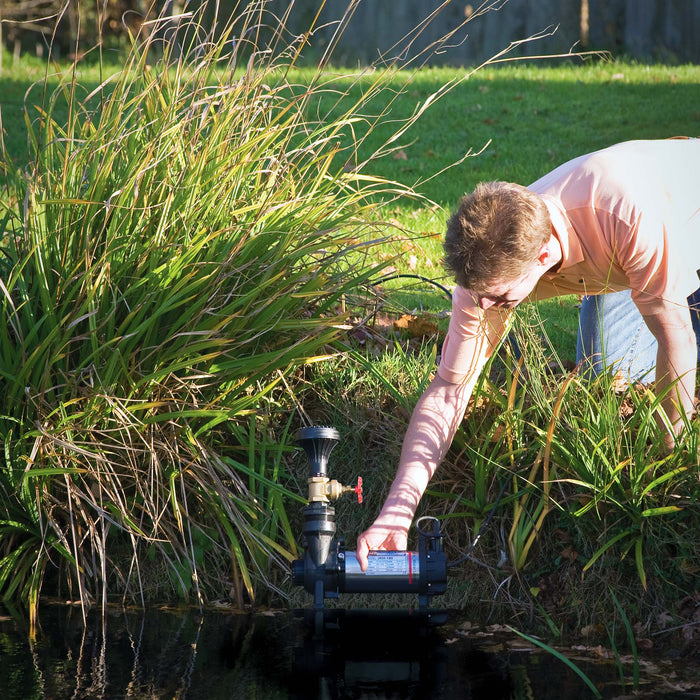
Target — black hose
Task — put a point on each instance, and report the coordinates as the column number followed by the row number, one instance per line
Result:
column 388, row 278
column 482, row 529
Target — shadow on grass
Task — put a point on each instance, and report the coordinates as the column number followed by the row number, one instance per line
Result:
column 535, row 118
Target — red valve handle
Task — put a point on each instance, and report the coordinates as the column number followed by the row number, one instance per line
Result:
column 358, row 489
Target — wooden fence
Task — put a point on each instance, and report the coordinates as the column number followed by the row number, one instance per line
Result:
column 667, row 30
column 642, row 29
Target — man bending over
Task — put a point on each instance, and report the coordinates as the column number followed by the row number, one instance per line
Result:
column 620, row 226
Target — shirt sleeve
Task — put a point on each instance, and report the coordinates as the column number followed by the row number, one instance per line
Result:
column 654, row 262
column 472, row 336
column 643, row 214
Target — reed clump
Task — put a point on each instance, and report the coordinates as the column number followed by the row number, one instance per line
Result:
column 182, row 236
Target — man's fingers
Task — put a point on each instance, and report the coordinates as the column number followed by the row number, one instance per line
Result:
column 362, row 552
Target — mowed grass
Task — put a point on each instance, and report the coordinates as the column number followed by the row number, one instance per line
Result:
column 524, row 120
column 518, row 121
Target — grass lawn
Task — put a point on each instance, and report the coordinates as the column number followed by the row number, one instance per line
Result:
column 520, row 121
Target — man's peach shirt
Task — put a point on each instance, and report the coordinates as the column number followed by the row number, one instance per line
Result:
column 627, row 217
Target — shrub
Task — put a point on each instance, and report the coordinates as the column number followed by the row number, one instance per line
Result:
column 177, row 244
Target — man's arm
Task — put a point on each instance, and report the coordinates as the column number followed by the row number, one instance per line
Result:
column 433, row 424
column 676, row 361
column 472, row 337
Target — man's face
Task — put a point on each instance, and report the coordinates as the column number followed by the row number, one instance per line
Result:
column 507, row 295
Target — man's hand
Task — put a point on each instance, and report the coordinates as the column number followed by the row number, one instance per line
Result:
column 381, row 536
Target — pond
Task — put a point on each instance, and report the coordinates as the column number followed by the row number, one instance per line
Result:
column 351, row 654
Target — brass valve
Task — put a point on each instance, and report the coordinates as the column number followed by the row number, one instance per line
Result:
column 323, row 489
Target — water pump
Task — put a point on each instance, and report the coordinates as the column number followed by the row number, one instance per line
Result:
column 326, row 569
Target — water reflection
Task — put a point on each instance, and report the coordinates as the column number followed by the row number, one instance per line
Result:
column 397, row 655
column 168, row 654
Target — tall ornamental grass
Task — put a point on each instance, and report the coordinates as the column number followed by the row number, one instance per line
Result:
column 593, row 499
column 174, row 248
column 582, row 503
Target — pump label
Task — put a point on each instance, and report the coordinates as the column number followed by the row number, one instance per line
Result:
column 392, row 564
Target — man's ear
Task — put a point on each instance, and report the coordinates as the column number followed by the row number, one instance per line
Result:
column 546, row 255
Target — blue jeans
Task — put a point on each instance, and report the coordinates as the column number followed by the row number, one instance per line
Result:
column 612, row 334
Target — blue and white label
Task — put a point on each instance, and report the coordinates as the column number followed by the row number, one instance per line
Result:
column 392, row 564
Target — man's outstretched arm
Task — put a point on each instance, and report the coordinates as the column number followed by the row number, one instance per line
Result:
column 433, row 424
column 472, row 338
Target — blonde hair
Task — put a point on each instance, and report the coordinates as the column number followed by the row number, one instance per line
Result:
column 496, row 233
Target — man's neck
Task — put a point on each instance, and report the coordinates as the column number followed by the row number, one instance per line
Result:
column 556, row 254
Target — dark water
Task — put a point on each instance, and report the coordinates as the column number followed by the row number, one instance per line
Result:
column 166, row 654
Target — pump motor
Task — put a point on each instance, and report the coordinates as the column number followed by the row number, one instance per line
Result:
column 326, row 569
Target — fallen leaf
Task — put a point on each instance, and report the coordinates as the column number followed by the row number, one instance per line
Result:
column 601, row 652
column 563, row 535
column 402, row 322
column 416, row 326
column 619, row 383
column 664, row 619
